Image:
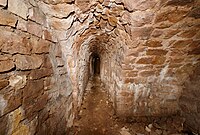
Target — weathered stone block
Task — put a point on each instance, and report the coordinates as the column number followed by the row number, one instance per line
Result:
column 3, row 83
column 180, row 2
column 31, row 92
column 154, row 43
column 138, row 5
column 34, row 29
column 182, row 43
column 47, row 62
column 102, row 23
column 159, row 60
column 58, row 10
column 5, row 57
column 18, row 7
column 171, row 15
column 3, row 3
column 7, row 19
column 142, row 33
column 24, row 62
column 65, row 24
column 171, row 32
column 188, row 33
column 41, row 102
column 14, row 100
column 40, row 73
column 42, row 46
column 157, row 33
column 17, row 81
column 37, row 15
column 106, row 2
column 47, row 35
column 6, row 65
column 140, row 18
column 83, row 4
column 29, row 111
column 156, row 52
column 18, row 127
column 22, row 24
column 112, row 21
column 20, row 45
column 108, row 27
column 145, row 60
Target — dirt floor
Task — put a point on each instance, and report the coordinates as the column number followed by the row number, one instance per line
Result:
column 97, row 117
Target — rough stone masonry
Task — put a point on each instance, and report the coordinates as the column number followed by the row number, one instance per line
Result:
column 149, row 51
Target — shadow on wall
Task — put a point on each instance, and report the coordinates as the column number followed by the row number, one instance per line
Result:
column 190, row 102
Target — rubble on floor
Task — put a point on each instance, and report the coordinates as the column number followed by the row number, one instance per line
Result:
column 97, row 117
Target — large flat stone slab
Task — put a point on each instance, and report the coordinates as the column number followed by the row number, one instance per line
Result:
column 18, row 7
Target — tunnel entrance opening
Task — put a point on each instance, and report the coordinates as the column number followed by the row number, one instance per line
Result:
column 95, row 64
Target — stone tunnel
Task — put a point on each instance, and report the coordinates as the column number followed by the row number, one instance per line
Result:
column 146, row 52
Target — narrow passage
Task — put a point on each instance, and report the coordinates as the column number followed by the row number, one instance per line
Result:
column 96, row 114
column 97, row 117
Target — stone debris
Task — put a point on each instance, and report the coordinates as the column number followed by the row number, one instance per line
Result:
column 17, row 81
column 147, row 129
column 159, row 132
column 92, row 115
column 150, row 126
column 124, row 131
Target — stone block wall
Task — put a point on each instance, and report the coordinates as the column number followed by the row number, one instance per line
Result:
column 189, row 101
column 158, row 58
column 35, row 89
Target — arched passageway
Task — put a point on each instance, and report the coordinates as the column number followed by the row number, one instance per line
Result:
column 95, row 63
column 148, row 56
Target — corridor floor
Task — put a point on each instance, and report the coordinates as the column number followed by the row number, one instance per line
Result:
column 97, row 117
